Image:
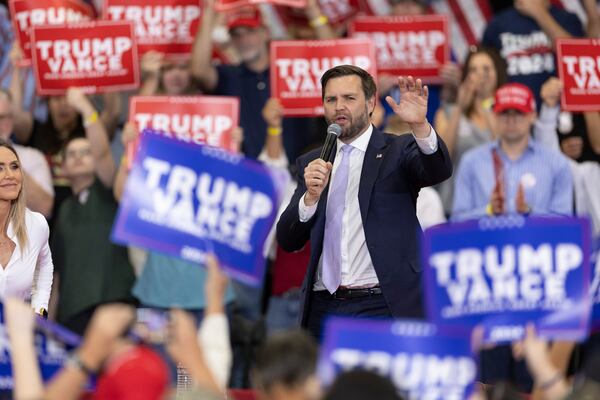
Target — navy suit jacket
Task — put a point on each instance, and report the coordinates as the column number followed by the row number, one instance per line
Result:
column 393, row 172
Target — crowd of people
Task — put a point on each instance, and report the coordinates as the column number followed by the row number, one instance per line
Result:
column 495, row 121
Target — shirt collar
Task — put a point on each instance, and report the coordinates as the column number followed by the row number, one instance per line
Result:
column 361, row 143
column 531, row 145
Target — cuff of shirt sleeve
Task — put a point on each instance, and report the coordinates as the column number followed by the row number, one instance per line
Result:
column 549, row 114
column 306, row 212
column 428, row 145
column 213, row 337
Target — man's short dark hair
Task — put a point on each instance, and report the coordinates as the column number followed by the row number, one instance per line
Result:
column 361, row 384
column 368, row 84
column 287, row 358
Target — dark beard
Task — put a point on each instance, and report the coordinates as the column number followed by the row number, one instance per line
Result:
column 355, row 128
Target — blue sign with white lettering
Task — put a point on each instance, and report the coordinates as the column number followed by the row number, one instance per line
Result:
column 421, row 362
column 51, row 353
column 595, row 286
column 503, row 272
column 186, row 200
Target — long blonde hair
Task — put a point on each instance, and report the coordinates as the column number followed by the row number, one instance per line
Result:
column 16, row 216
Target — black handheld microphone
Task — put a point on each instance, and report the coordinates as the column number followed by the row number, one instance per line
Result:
column 333, row 131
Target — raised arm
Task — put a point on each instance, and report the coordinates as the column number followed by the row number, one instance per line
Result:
column 25, row 368
column 96, row 133
column 128, row 138
column 538, row 10
column 23, row 120
column 318, row 21
column 201, row 66
column 150, row 65
column 106, row 328
column 111, row 112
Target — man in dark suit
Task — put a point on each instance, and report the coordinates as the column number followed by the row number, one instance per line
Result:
column 362, row 227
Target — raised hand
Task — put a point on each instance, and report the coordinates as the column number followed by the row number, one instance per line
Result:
column 520, row 201
column 497, row 199
column 77, row 99
column 550, row 92
column 151, row 63
column 412, row 107
column 272, row 112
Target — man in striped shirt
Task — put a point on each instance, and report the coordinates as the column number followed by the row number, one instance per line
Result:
column 513, row 174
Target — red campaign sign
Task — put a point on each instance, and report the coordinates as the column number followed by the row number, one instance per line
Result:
column 95, row 56
column 226, row 5
column 297, row 67
column 579, row 71
column 407, row 45
column 29, row 13
column 191, row 119
column 166, row 26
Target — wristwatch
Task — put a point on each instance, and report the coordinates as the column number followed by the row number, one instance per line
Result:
column 75, row 361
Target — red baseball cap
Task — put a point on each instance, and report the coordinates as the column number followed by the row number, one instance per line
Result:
column 138, row 373
column 248, row 17
column 514, row 96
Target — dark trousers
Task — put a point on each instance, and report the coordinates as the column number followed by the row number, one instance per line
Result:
column 323, row 305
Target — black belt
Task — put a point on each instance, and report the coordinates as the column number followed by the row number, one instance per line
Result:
column 345, row 294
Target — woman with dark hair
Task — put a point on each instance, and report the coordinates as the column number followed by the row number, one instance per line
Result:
column 25, row 256
column 468, row 123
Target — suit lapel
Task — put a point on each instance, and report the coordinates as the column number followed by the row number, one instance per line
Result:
column 370, row 170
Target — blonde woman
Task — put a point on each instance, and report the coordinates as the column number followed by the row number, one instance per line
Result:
column 25, row 259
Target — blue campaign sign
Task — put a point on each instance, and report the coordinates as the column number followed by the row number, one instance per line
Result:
column 503, row 272
column 186, row 200
column 595, row 286
column 51, row 353
column 421, row 362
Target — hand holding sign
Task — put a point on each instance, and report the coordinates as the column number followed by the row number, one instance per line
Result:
column 79, row 101
column 151, row 63
column 16, row 55
column 20, row 318
column 412, row 107
column 546, row 362
column 273, row 113
column 550, row 92
column 216, row 285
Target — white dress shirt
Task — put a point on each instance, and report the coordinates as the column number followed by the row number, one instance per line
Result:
column 357, row 267
column 28, row 274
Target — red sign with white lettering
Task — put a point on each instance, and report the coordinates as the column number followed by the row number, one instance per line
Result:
column 192, row 119
column 166, row 26
column 226, row 5
column 94, row 56
column 407, row 45
column 579, row 71
column 29, row 13
column 297, row 67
